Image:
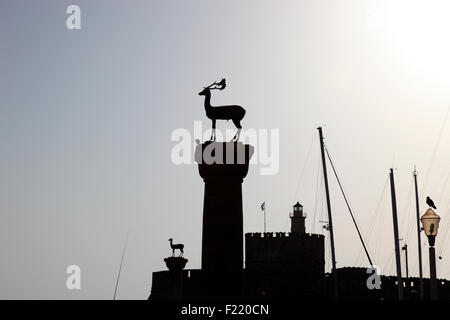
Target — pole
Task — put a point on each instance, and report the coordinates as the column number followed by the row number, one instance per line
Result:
column 330, row 220
column 433, row 282
column 121, row 263
column 405, row 248
column 396, row 238
column 419, row 245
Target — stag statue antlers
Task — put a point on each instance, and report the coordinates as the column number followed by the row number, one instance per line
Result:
column 233, row 112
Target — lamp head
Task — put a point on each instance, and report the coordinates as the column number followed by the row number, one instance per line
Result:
column 430, row 222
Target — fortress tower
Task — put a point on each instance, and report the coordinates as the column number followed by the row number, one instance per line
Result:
column 285, row 264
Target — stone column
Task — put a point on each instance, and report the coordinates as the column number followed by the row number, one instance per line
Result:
column 223, row 166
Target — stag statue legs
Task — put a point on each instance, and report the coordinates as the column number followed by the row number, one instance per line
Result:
column 236, row 136
column 213, row 133
column 180, row 255
column 237, row 123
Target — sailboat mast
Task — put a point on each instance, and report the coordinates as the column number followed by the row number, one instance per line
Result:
column 396, row 238
column 330, row 220
column 419, row 246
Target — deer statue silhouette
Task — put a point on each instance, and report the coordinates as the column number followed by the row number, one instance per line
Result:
column 176, row 246
column 233, row 112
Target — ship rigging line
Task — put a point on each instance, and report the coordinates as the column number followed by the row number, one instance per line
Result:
column 438, row 141
column 373, row 222
column 349, row 209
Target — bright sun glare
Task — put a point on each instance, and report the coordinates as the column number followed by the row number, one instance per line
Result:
column 421, row 31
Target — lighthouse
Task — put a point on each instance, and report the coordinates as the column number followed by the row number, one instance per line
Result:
column 298, row 219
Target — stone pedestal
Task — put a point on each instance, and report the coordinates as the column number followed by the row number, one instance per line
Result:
column 175, row 263
column 169, row 285
column 223, row 166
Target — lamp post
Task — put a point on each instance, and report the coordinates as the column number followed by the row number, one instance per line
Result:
column 430, row 222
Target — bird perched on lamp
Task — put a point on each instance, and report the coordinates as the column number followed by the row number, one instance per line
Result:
column 430, row 203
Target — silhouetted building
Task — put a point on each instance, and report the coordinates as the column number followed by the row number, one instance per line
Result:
column 353, row 286
column 290, row 265
column 284, row 264
column 276, row 265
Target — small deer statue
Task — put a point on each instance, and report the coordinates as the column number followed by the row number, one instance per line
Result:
column 235, row 113
column 176, row 246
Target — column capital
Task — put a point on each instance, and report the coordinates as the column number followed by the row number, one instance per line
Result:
column 223, row 160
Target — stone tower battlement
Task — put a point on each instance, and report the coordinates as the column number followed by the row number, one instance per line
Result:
column 282, row 235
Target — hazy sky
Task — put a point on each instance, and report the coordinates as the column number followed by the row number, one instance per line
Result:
column 86, row 118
